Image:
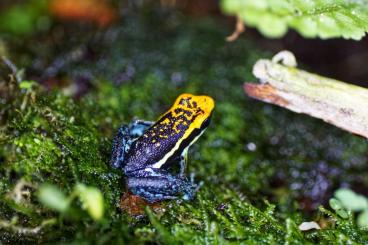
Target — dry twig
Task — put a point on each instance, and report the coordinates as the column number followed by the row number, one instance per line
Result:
column 239, row 29
column 341, row 104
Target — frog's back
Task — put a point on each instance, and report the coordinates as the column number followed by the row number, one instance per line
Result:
column 156, row 143
column 175, row 131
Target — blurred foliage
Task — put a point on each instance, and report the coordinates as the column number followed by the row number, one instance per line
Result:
column 346, row 199
column 312, row 18
column 90, row 197
column 31, row 17
column 26, row 18
column 97, row 11
column 251, row 156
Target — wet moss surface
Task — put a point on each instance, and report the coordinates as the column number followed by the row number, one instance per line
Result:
column 264, row 170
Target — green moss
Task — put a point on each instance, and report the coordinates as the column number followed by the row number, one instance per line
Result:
column 252, row 155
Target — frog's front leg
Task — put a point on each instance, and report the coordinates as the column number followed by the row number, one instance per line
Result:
column 157, row 185
column 182, row 160
column 183, row 164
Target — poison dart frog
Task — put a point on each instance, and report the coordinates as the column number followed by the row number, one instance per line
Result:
column 147, row 151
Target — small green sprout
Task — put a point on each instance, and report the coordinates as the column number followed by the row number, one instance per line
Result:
column 347, row 200
column 90, row 197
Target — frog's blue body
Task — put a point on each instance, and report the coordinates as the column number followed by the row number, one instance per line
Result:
column 147, row 150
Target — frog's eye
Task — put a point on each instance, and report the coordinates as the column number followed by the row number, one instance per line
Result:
column 186, row 102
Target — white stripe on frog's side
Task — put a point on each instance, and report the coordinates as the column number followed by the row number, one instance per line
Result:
column 175, row 148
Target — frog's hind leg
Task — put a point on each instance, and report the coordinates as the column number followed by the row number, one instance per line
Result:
column 157, row 185
column 124, row 138
column 120, row 146
column 138, row 127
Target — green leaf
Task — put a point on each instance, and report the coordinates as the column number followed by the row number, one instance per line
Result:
column 339, row 208
column 335, row 204
column 350, row 200
column 342, row 213
column 271, row 26
column 92, row 200
column 313, row 18
column 52, row 197
column 25, row 18
column 306, row 26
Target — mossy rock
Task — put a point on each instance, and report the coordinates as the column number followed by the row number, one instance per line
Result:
column 252, row 154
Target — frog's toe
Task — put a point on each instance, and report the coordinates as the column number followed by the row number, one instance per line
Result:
column 191, row 177
column 187, row 197
column 198, row 186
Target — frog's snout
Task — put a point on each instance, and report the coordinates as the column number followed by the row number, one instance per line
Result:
column 206, row 103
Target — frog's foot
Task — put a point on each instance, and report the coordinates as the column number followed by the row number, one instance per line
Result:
column 158, row 185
